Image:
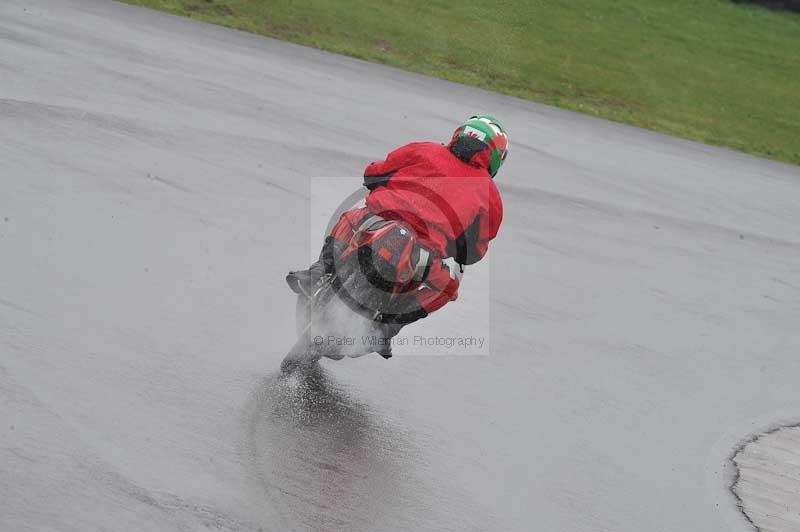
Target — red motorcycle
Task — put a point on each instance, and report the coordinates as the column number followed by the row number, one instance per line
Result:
column 364, row 297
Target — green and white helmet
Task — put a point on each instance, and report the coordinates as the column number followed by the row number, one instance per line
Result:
column 491, row 132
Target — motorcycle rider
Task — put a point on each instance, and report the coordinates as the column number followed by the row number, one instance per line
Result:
column 446, row 195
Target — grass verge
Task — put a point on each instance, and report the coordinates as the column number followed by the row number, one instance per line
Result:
column 708, row 70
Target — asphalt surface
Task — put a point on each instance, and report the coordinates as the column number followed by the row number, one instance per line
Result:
column 156, row 183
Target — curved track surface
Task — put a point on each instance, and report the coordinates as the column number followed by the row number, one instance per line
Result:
column 154, row 189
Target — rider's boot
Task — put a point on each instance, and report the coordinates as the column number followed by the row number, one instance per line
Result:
column 385, row 351
column 387, row 331
column 302, row 281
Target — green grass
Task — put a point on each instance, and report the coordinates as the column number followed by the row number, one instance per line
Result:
column 708, row 70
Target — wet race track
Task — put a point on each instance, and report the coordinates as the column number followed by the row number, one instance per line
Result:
column 158, row 177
